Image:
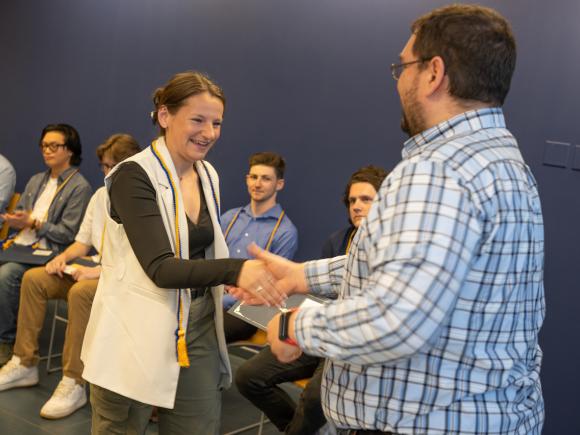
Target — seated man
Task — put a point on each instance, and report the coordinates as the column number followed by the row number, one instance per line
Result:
column 76, row 284
column 7, row 183
column 358, row 197
column 48, row 215
column 262, row 221
column 258, row 378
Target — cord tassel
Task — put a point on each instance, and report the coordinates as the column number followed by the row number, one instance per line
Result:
column 182, row 357
column 7, row 244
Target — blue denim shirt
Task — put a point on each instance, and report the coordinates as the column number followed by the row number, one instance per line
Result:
column 66, row 210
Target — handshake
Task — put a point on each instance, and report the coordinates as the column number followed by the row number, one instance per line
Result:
column 269, row 279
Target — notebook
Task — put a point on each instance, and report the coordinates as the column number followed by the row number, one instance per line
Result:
column 259, row 315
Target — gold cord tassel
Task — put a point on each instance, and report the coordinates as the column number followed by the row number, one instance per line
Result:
column 182, row 357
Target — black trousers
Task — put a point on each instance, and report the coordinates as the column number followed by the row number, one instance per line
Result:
column 236, row 329
column 258, row 380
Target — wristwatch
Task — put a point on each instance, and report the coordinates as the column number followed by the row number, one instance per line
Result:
column 284, row 329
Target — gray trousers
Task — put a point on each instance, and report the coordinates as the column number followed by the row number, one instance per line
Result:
column 197, row 409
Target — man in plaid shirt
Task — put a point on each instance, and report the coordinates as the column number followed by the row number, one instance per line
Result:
column 434, row 329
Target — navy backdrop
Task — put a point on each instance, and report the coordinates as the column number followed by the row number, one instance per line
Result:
column 308, row 79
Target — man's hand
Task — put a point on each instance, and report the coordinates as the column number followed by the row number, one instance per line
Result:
column 256, row 283
column 19, row 219
column 290, row 276
column 56, row 265
column 82, row 273
column 283, row 351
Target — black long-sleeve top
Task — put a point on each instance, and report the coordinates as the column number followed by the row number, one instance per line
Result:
column 134, row 205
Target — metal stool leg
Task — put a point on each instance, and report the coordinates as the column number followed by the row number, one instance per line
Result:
column 51, row 355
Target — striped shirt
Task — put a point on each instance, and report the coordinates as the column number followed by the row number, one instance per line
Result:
column 435, row 329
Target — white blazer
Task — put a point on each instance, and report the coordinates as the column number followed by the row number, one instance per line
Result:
column 129, row 345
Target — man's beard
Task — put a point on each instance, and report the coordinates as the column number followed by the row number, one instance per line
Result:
column 412, row 119
column 405, row 125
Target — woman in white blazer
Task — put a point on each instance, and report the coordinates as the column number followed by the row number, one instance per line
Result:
column 155, row 335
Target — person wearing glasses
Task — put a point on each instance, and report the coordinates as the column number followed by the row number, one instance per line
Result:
column 441, row 297
column 155, row 333
column 48, row 216
column 77, row 284
column 262, row 221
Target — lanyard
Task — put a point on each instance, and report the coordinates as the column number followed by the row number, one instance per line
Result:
column 272, row 234
column 64, row 183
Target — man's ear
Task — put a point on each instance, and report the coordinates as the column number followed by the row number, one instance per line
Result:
column 279, row 184
column 436, row 75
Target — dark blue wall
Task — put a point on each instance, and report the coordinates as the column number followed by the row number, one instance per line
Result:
column 309, row 79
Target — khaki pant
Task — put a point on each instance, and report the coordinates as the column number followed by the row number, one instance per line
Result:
column 37, row 288
column 197, row 409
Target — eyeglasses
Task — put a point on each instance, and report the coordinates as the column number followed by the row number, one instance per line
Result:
column 52, row 147
column 397, row 68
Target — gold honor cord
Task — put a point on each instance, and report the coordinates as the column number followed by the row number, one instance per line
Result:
column 102, row 242
column 272, row 234
column 9, row 242
column 350, row 237
column 231, row 224
column 182, row 357
column 274, row 231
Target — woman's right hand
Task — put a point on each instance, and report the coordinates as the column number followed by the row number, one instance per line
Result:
column 56, row 265
column 259, row 285
column 290, row 276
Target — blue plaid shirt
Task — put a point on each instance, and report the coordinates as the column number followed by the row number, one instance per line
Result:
column 435, row 329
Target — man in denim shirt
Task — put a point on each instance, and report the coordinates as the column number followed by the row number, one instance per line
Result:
column 48, row 215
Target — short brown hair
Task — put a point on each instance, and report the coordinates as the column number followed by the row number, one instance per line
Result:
column 120, row 146
column 180, row 88
column 477, row 46
column 271, row 159
column 367, row 174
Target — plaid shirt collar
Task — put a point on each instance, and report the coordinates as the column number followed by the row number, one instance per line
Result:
column 461, row 124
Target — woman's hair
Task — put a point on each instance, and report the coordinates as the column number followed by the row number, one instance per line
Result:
column 180, row 88
column 119, row 146
column 72, row 140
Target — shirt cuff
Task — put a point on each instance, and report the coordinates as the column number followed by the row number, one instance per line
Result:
column 41, row 230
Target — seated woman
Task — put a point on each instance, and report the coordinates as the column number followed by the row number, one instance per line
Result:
column 77, row 285
column 48, row 214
